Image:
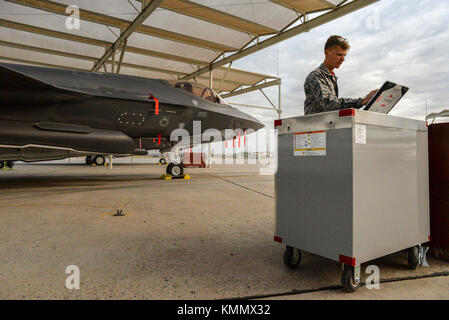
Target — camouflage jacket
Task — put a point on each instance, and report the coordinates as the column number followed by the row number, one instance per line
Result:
column 322, row 93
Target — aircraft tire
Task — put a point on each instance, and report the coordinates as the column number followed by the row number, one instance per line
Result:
column 175, row 170
column 99, row 160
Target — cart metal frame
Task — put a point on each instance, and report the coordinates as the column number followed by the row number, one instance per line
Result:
column 364, row 196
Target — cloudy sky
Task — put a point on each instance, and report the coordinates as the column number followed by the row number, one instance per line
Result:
column 404, row 41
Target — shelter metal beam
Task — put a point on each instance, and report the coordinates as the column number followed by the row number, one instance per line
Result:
column 122, row 54
column 88, row 58
column 269, row 100
column 304, row 27
column 277, row 109
column 94, row 42
column 444, row 113
column 273, row 107
column 47, row 51
column 224, row 77
column 126, row 33
column 37, row 63
column 287, row 5
column 52, row 33
column 95, row 17
column 328, row 3
column 198, row 11
column 253, row 88
column 250, row 106
column 306, row 6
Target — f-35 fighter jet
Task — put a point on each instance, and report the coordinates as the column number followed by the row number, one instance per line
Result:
column 48, row 113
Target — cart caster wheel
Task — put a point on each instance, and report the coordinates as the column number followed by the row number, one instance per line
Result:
column 162, row 161
column 292, row 257
column 413, row 257
column 347, row 279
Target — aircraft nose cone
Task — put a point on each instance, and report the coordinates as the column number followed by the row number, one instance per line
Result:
column 257, row 124
column 251, row 122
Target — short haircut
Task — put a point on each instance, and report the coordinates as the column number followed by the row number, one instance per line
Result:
column 335, row 40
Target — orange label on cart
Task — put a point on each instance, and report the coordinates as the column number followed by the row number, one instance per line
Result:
column 310, row 143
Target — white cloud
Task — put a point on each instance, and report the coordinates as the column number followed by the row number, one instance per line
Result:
column 398, row 40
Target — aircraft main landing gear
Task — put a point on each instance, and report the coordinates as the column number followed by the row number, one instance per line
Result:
column 8, row 164
column 98, row 160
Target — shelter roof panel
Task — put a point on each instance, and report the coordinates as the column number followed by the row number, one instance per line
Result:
column 172, row 47
column 100, row 18
column 219, row 86
column 43, row 58
column 306, row 6
column 40, row 41
column 231, row 75
column 158, row 63
column 255, row 10
column 168, row 20
column 120, row 9
column 218, row 17
column 146, row 73
column 57, row 22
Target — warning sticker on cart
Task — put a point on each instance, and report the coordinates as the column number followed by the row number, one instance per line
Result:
column 311, row 143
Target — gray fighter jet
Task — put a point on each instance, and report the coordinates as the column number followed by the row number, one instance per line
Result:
column 48, row 113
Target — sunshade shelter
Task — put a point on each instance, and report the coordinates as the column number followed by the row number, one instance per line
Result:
column 169, row 39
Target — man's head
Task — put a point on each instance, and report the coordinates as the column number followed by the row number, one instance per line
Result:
column 335, row 51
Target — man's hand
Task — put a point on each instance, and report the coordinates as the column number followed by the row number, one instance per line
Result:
column 368, row 97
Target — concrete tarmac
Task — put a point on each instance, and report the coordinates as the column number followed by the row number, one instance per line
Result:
column 210, row 237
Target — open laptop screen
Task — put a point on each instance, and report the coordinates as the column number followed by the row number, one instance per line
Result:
column 386, row 98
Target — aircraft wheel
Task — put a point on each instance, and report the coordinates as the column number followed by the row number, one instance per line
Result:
column 162, row 161
column 99, row 160
column 175, row 170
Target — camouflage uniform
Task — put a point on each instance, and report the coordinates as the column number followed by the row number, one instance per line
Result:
column 322, row 93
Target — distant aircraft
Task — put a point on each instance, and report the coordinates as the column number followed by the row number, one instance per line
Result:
column 48, row 113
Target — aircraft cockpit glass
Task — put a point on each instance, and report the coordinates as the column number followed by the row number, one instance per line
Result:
column 197, row 89
column 208, row 94
column 185, row 86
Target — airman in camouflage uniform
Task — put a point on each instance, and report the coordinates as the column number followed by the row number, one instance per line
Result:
column 322, row 93
column 321, row 84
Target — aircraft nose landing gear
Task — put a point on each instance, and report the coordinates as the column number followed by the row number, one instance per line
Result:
column 175, row 170
column 6, row 164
